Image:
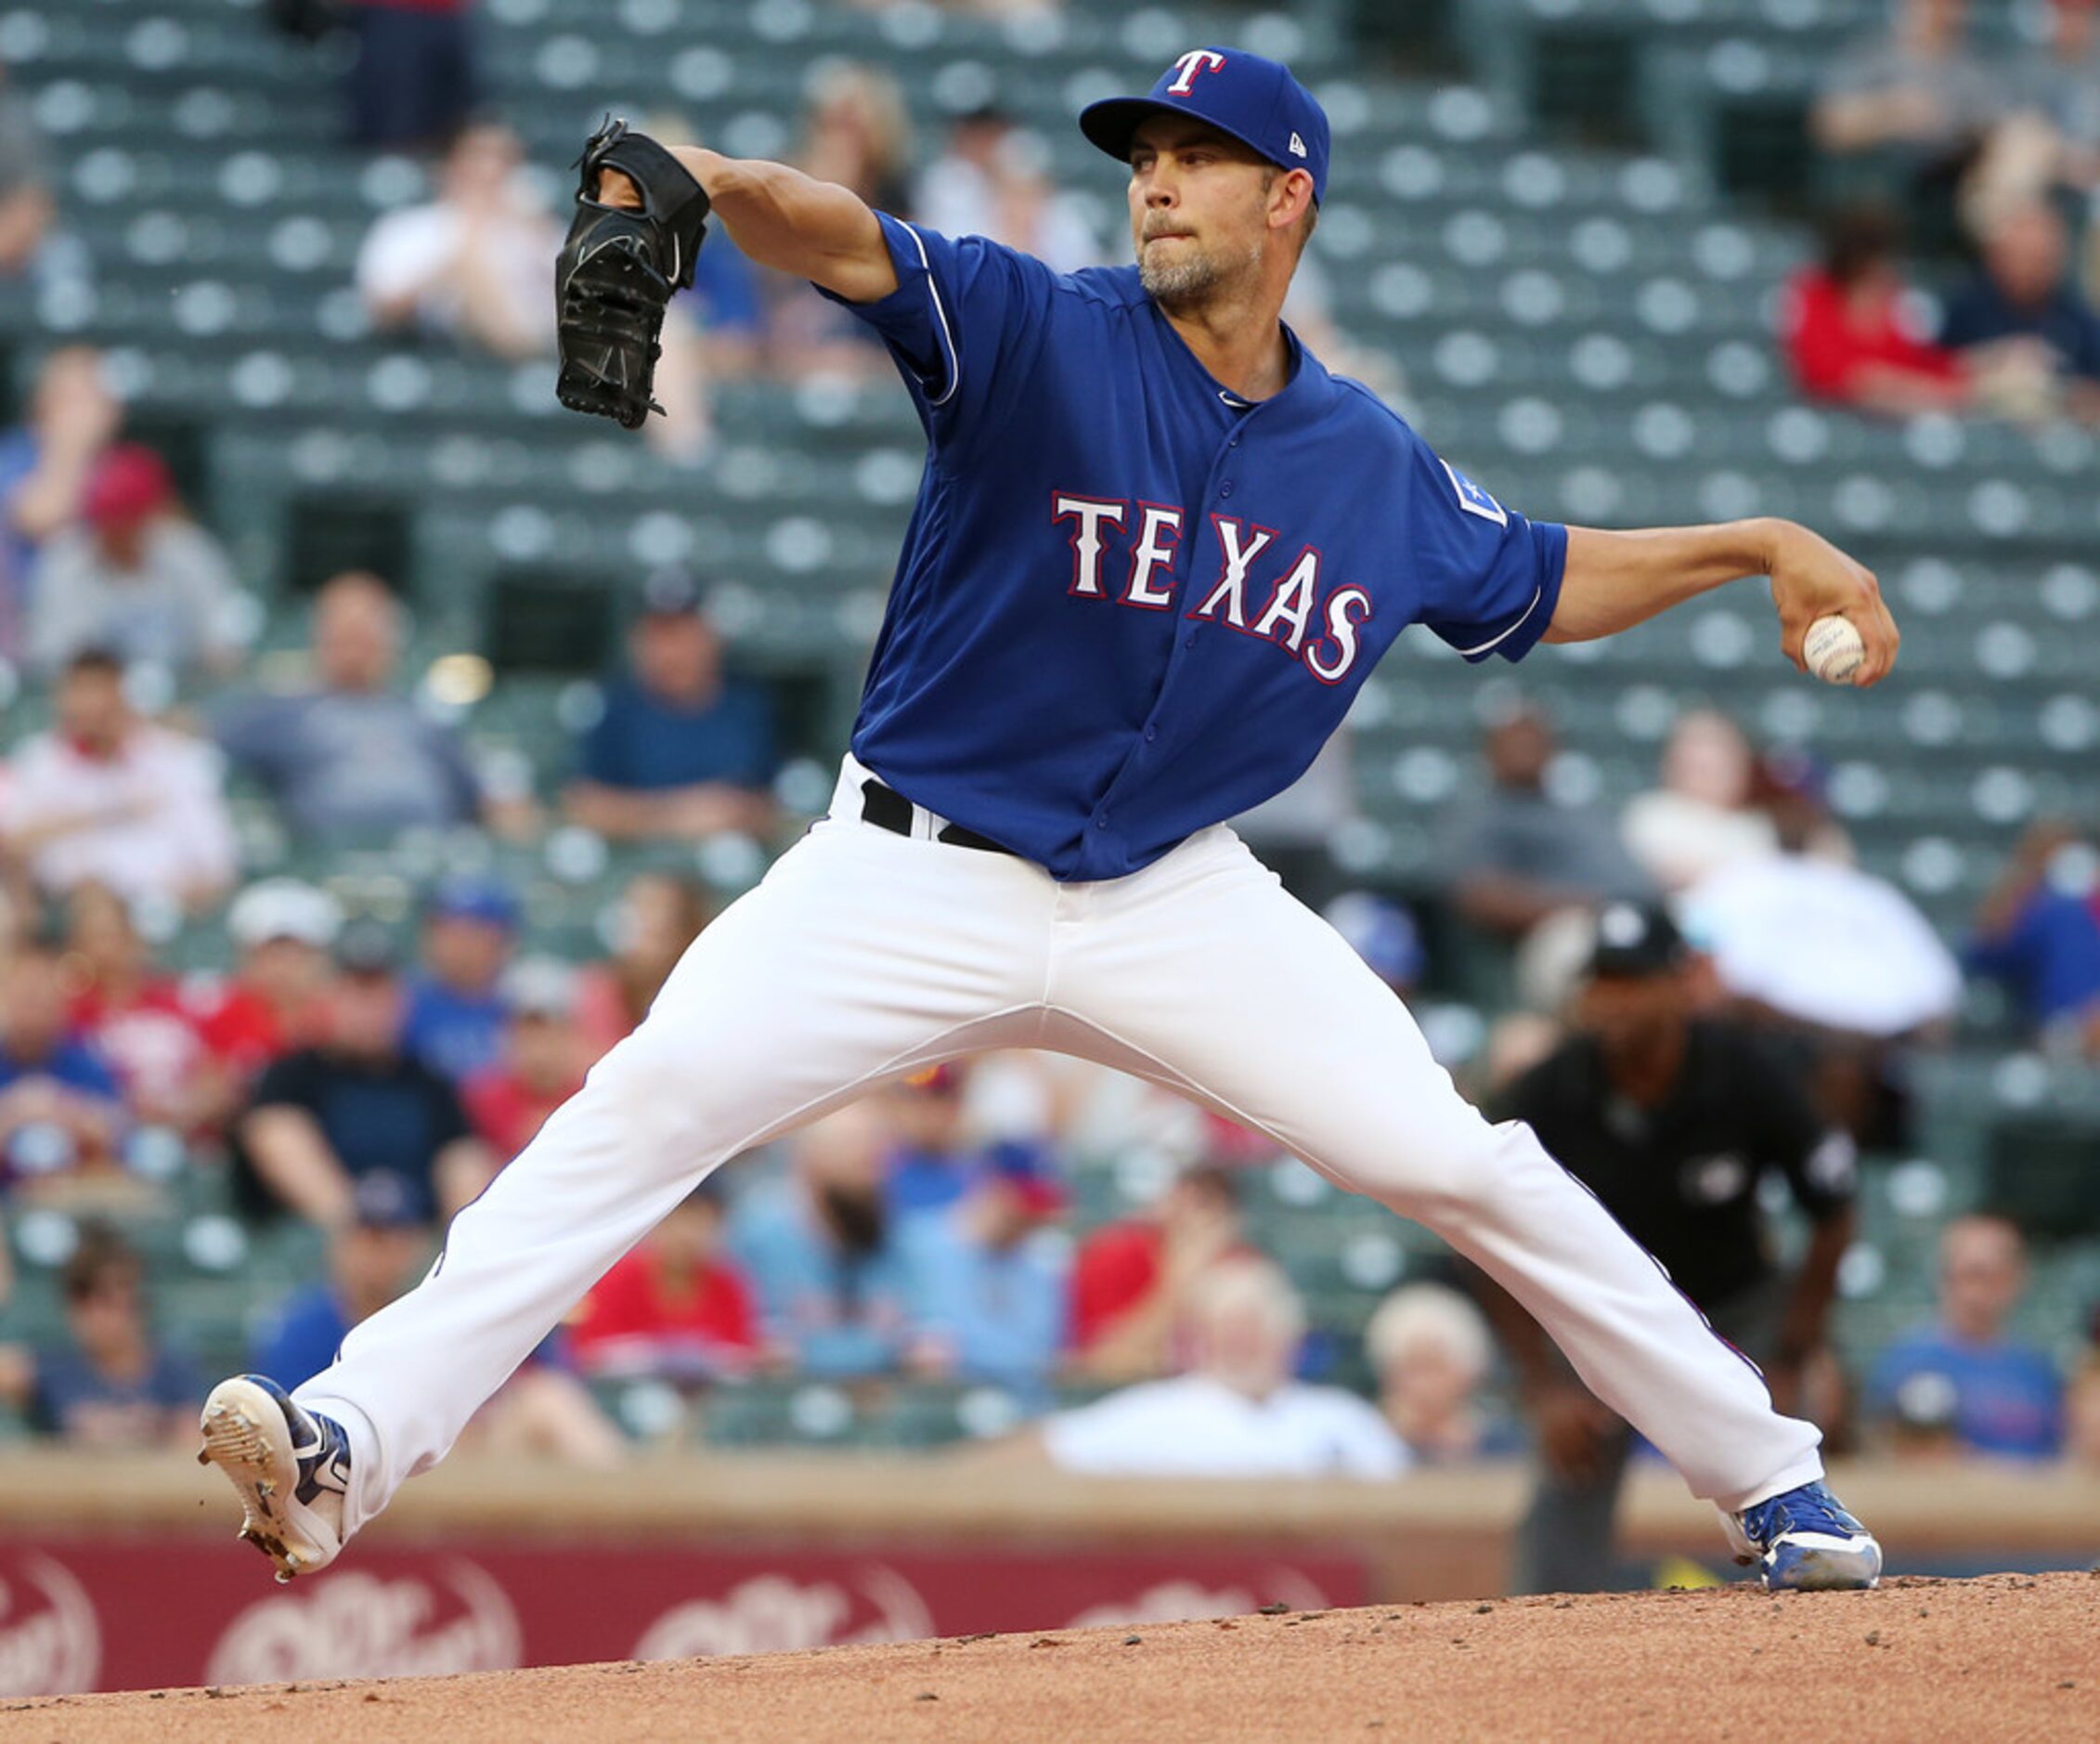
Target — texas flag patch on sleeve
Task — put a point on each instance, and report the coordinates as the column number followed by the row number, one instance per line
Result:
column 1473, row 499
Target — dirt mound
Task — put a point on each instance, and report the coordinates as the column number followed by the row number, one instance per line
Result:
column 2008, row 1656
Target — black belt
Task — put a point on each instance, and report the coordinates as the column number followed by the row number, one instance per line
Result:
column 886, row 808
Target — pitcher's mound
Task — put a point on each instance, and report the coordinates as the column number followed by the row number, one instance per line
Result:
column 2008, row 1656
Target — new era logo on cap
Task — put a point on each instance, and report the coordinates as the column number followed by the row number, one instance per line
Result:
column 1254, row 99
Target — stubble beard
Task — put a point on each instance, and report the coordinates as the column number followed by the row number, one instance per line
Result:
column 1195, row 278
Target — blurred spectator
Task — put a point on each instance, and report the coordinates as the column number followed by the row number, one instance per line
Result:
column 1907, row 110
column 1515, row 856
column 822, row 1252
column 855, row 132
column 990, row 180
column 324, row 1117
column 133, row 1015
column 542, row 1060
column 676, row 1309
column 61, row 1109
column 2038, row 931
column 458, row 1008
column 1999, row 1396
column 1383, row 935
column 933, row 1162
column 413, row 83
column 1849, row 330
column 373, row 1255
column 137, row 576
column 348, row 757
column 104, row 797
column 273, row 1002
column 659, row 915
column 990, row 1295
column 1130, row 1281
column 114, row 1384
column 2081, row 1415
column 1238, row 1413
column 1837, row 963
column 1431, row 1351
column 2029, row 339
column 2050, row 140
column 682, row 751
column 1700, row 818
column 25, row 190
column 45, row 465
column 1673, row 1120
column 476, row 263
column 1294, row 831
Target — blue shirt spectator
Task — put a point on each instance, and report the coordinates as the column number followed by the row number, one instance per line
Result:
column 457, row 1012
column 59, row 1102
column 2050, row 955
column 112, row 1384
column 822, row 1254
column 682, row 751
column 2022, row 293
column 726, row 288
column 2007, row 1397
column 990, row 1297
column 1962, row 1374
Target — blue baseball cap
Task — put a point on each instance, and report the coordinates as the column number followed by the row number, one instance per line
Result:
column 467, row 897
column 1254, row 99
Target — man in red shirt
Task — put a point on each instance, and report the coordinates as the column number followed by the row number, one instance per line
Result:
column 1130, row 1281
column 134, row 1014
column 543, row 1060
column 1848, row 334
column 675, row 1308
column 272, row 1003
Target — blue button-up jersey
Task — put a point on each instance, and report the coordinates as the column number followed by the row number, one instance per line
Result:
column 1130, row 605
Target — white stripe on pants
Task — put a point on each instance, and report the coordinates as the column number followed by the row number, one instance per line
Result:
column 865, row 954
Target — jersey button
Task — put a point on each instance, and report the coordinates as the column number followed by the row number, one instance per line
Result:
column 1151, row 734
column 1101, row 821
column 1226, row 490
column 1189, row 640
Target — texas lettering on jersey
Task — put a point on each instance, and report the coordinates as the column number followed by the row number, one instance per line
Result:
column 1148, row 538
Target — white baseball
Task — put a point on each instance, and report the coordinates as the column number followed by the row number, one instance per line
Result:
column 1833, row 650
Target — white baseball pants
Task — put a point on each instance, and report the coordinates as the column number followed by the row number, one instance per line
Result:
column 864, row 955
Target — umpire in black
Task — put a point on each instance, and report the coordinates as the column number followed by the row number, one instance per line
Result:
column 1672, row 1119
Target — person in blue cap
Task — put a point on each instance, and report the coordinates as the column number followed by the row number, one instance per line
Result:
column 1157, row 548
column 455, row 1014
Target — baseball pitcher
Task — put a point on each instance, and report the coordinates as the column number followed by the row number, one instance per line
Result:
column 1157, row 549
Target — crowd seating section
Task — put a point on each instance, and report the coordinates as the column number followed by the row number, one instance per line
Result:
column 1546, row 242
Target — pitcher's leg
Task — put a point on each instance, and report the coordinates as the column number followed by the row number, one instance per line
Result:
column 861, row 956
column 1236, row 992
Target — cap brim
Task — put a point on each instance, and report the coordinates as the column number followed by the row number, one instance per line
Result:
column 1113, row 122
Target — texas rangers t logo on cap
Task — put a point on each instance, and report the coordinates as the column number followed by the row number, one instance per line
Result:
column 1194, row 62
column 1250, row 97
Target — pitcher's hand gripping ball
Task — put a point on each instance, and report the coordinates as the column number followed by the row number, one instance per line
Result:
column 617, row 271
column 1832, row 649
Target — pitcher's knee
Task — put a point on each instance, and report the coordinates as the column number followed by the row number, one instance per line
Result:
column 651, row 1091
column 1463, row 1164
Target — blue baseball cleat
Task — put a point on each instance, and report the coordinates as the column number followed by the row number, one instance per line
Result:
column 1803, row 1541
column 290, row 1466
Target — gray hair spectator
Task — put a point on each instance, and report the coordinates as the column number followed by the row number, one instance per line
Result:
column 1237, row 1413
column 137, row 576
column 1430, row 1350
column 477, row 262
column 106, row 797
column 349, row 758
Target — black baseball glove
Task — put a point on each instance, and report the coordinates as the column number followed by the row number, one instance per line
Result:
column 617, row 271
